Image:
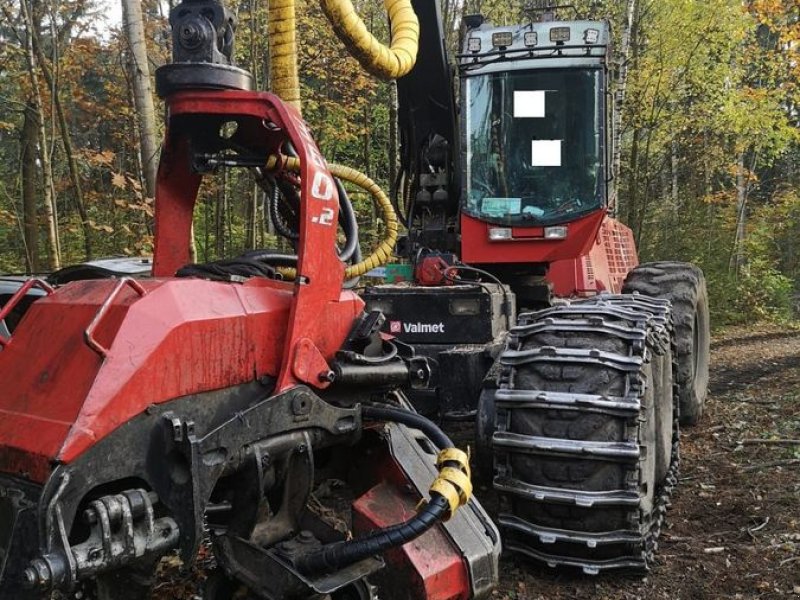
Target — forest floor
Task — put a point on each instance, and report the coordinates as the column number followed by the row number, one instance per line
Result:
column 734, row 527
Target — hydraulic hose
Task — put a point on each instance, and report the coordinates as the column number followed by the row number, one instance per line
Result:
column 385, row 63
column 410, row 419
column 274, row 212
column 383, row 252
column 282, row 30
column 338, row 555
column 349, row 223
column 378, row 60
column 347, row 219
column 449, row 491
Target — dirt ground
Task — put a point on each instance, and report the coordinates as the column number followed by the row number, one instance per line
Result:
column 734, row 527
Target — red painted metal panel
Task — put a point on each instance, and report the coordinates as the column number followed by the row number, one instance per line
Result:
column 603, row 268
column 527, row 248
column 176, row 337
column 321, row 273
column 429, row 567
column 185, row 336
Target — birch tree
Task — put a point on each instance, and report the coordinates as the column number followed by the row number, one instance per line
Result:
column 142, row 92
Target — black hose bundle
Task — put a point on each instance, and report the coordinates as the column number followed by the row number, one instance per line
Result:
column 347, row 216
column 229, row 269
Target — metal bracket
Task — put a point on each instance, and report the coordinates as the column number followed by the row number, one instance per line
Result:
column 19, row 295
column 88, row 335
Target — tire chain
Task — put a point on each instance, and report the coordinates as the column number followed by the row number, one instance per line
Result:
column 646, row 324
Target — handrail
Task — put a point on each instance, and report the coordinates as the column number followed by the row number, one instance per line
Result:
column 19, row 295
column 89, row 333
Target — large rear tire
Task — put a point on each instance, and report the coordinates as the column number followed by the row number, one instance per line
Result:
column 684, row 285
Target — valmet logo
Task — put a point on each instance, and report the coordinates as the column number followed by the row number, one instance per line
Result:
column 400, row 327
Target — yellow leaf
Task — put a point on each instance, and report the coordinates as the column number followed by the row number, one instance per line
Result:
column 118, row 180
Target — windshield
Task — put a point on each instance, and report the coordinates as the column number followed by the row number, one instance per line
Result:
column 533, row 145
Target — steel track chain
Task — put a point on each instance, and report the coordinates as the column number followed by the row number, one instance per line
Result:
column 644, row 326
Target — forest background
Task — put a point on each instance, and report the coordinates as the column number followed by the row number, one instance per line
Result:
column 710, row 167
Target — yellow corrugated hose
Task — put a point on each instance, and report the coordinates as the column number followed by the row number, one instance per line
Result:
column 282, row 31
column 386, row 63
column 378, row 60
column 381, row 254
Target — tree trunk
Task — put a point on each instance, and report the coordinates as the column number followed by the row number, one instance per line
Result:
column 74, row 175
column 28, row 156
column 50, row 212
column 737, row 257
column 622, row 84
column 142, row 92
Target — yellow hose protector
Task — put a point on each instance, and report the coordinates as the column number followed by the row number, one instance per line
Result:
column 383, row 253
column 378, row 60
column 283, row 51
column 454, row 482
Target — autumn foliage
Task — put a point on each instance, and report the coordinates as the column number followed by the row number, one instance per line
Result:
column 709, row 142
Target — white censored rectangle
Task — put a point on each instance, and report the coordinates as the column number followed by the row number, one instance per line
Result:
column 546, row 153
column 529, row 104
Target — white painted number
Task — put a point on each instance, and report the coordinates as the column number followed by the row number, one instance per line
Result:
column 326, row 218
column 322, row 187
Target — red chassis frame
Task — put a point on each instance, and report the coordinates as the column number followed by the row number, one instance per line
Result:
column 93, row 354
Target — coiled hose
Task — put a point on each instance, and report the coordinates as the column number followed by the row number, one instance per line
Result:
column 347, row 218
column 451, row 490
column 383, row 252
column 378, row 60
column 385, row 63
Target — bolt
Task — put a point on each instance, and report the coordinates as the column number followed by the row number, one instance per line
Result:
column 95, row 554
column 301, row 448
column 305, row 537
column 300, row 406
column 177, row 429
column 327, row 376
column 266, row 461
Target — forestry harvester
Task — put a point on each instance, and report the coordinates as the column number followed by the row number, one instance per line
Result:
column 248, row 409
column 576, row 362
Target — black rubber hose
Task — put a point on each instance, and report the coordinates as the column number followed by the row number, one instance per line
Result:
column 338, row 555
column 274, row 212
column 347, row 219
column 341, row 554
column 412, row 419
column 273, row 258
